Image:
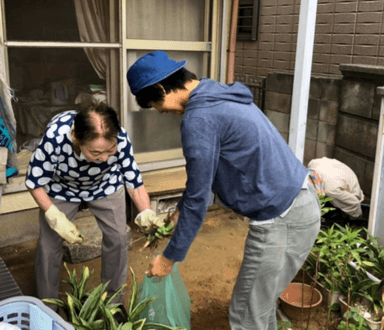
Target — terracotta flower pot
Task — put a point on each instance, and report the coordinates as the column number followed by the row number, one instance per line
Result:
column 295, row 305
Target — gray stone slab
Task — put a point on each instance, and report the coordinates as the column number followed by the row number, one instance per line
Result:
column 277, row 102
column 280, row 83
column 326, row 133
column 366, row 184
column 91, row 247
column 324, row 150
column 315, row 88
column 279, row 120
column 313, row 108
column 309, row 151
column 356, row 135
column 311, row 132
column 363, row 71
column 357, row 98
column 330, row 88
column 328, row 111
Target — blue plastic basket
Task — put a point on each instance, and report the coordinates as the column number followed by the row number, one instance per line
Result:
column 29, row 313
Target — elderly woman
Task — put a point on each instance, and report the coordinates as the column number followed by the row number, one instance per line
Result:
column 84, row 156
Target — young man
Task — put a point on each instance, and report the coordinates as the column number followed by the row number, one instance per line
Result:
column 231, row 148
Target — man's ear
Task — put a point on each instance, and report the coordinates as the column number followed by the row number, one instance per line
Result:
column 160, row 86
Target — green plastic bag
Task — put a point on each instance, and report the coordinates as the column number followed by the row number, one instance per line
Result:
column 172, row 305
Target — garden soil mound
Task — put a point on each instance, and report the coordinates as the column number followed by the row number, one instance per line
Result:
column 209, row 271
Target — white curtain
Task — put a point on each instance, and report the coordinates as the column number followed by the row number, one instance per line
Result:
column 93, row 21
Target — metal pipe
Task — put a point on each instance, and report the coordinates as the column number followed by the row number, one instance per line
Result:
column 232, row 42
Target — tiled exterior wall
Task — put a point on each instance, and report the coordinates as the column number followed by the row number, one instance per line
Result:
column 347, row 31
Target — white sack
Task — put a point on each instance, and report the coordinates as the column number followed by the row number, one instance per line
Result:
column 340, row 183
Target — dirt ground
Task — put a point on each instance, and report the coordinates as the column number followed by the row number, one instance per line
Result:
column 209, row 271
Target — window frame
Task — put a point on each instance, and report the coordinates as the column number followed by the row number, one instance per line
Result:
column 213, row 30
column 242, row 36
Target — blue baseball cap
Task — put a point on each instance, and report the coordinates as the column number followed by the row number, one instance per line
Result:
column 150, row 69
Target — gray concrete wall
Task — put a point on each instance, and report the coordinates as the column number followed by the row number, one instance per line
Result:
column 358, row 121
column 343, row 116
column 322, row 111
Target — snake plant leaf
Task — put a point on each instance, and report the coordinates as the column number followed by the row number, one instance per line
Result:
column 98, row 325
column 57, row 302
column 140, row 308
column 140, row 324
column 117, row 293
column 134, row 294
column 92, row 301
column 110, row 320
column 72, row 311
column 80, row 327
column 127, row 326
column 85, row 276
column 162, row 326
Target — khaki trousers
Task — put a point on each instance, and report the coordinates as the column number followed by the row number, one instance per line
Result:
column 110, row 214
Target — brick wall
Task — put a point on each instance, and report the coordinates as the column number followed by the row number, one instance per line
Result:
column 347, row 31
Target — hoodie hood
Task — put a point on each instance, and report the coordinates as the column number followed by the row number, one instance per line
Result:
column 210, row 93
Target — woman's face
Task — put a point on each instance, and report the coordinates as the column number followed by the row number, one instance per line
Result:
column 99, row 150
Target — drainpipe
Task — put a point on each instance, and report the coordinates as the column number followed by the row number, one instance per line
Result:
column 232, row 42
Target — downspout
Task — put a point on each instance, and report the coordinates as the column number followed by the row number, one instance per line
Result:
column 232, row 42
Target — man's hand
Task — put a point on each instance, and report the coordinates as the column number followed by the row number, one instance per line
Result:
column 160, row 266
column 148, row 220
column 60, row 224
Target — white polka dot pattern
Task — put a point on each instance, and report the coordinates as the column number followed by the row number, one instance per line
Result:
column 63, row 175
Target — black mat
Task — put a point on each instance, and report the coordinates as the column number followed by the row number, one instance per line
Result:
column 8, row 286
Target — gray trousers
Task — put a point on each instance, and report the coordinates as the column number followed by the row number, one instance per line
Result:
column 111, row 219
column 274, row 253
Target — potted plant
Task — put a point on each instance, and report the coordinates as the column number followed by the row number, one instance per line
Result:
column 353, row 321
column 373, row 256
column 92, row 310
column 334, row 249
column 325, row 258
column 365, row 295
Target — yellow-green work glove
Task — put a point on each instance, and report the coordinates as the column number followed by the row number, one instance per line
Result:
column 148, row 220
column 60, row 224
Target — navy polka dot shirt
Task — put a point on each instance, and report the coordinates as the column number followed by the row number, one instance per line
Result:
column 64, row 175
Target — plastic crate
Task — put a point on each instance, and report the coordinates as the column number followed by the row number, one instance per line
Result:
column 29, row 313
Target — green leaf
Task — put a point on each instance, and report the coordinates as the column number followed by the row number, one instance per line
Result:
column 140, row 324
column 85, row 276
column 127, row 326
column 140, row 308
column 110, row 320
column 72, row 309
column 92, row 301
column 80, row 327
column 57, row 302
column 98, row 325
column 117, row 293
column 134, row 294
